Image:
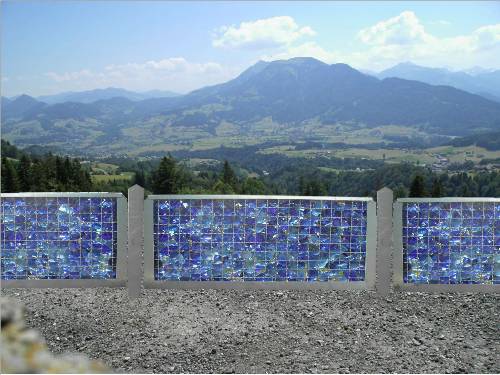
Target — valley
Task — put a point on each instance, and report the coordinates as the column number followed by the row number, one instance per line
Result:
column 277, row 123
column 295, row 100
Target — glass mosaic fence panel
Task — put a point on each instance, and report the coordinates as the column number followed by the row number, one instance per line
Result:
column 61, row 235
column 256, row 238
column 449, row 241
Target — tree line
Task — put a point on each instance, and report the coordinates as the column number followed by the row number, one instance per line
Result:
column 172, row 178
column 405, row 179
column 168, row 175
column 41, row 173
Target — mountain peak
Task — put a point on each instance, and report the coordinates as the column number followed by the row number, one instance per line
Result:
column 305, row 60
column 406, row 63
column 479, row 83
column 299, row 61
column 24, row 97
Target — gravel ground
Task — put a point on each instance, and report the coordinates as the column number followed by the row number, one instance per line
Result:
column 226, row 331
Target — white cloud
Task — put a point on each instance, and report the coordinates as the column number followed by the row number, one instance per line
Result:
column 406, row 31
column 400, row 30
column 261, row 34
column 388, row 42
column 175, row 73
column 403, row 38
column 70, row 76
column 486, row 37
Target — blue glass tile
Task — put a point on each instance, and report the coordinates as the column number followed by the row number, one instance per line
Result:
column 259, row 240
column 450, row 243
column 58, row 238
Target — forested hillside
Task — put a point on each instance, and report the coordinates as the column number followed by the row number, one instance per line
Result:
column 22, row 172
column 290, row 99
column 291, row 176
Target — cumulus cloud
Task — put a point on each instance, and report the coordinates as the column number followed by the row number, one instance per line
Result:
column 404, row 37
column 486, row 37
column 381, row 45
column 175, row 73
column 403, row 29
column 261, row 34
column 70, row 76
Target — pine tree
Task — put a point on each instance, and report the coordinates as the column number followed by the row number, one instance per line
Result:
column 254, row 185
column 61, row 175
column 139, row 178
column 10, row 182
column 222, row 188
column 24, row 173
column 39, row 176
column 464, row 190
column 50, row 169
column 400, row 192
column 302, row 185
column 437, row 188
column 228, row 176
column 317, row 188
column 165, row 180
column 68, row 172
column 417, row 189
column 84, row 181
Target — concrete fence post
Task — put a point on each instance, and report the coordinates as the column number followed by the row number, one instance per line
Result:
column 384, row 241
column 135, row 240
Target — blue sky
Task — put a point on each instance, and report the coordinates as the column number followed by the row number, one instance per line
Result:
column 49, row 47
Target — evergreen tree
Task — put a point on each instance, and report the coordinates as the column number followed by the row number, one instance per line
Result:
column 221, row 187
column 314, row 188
column 302, row 185
column 61, row 175
column 254, row 185
column 39, row 176
column 68, row 174
column 10, row 182
column 417, row 189
column 400, row 192
column 84, row 181
column 139, row 178
column 50, row 169
column 437, row 188
column 464, row 190
column 9, row 150
column 24, row 173
column 228, row 176
column 166, row 179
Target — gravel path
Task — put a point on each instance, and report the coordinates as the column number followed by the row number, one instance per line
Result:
column 261, row 331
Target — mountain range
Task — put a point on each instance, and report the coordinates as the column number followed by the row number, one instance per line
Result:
column 477, row 80
column 281, row 98
column 103, row 94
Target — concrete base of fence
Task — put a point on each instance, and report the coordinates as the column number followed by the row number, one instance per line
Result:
column 62, row 283
column 256, row 285
column 448, row 288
